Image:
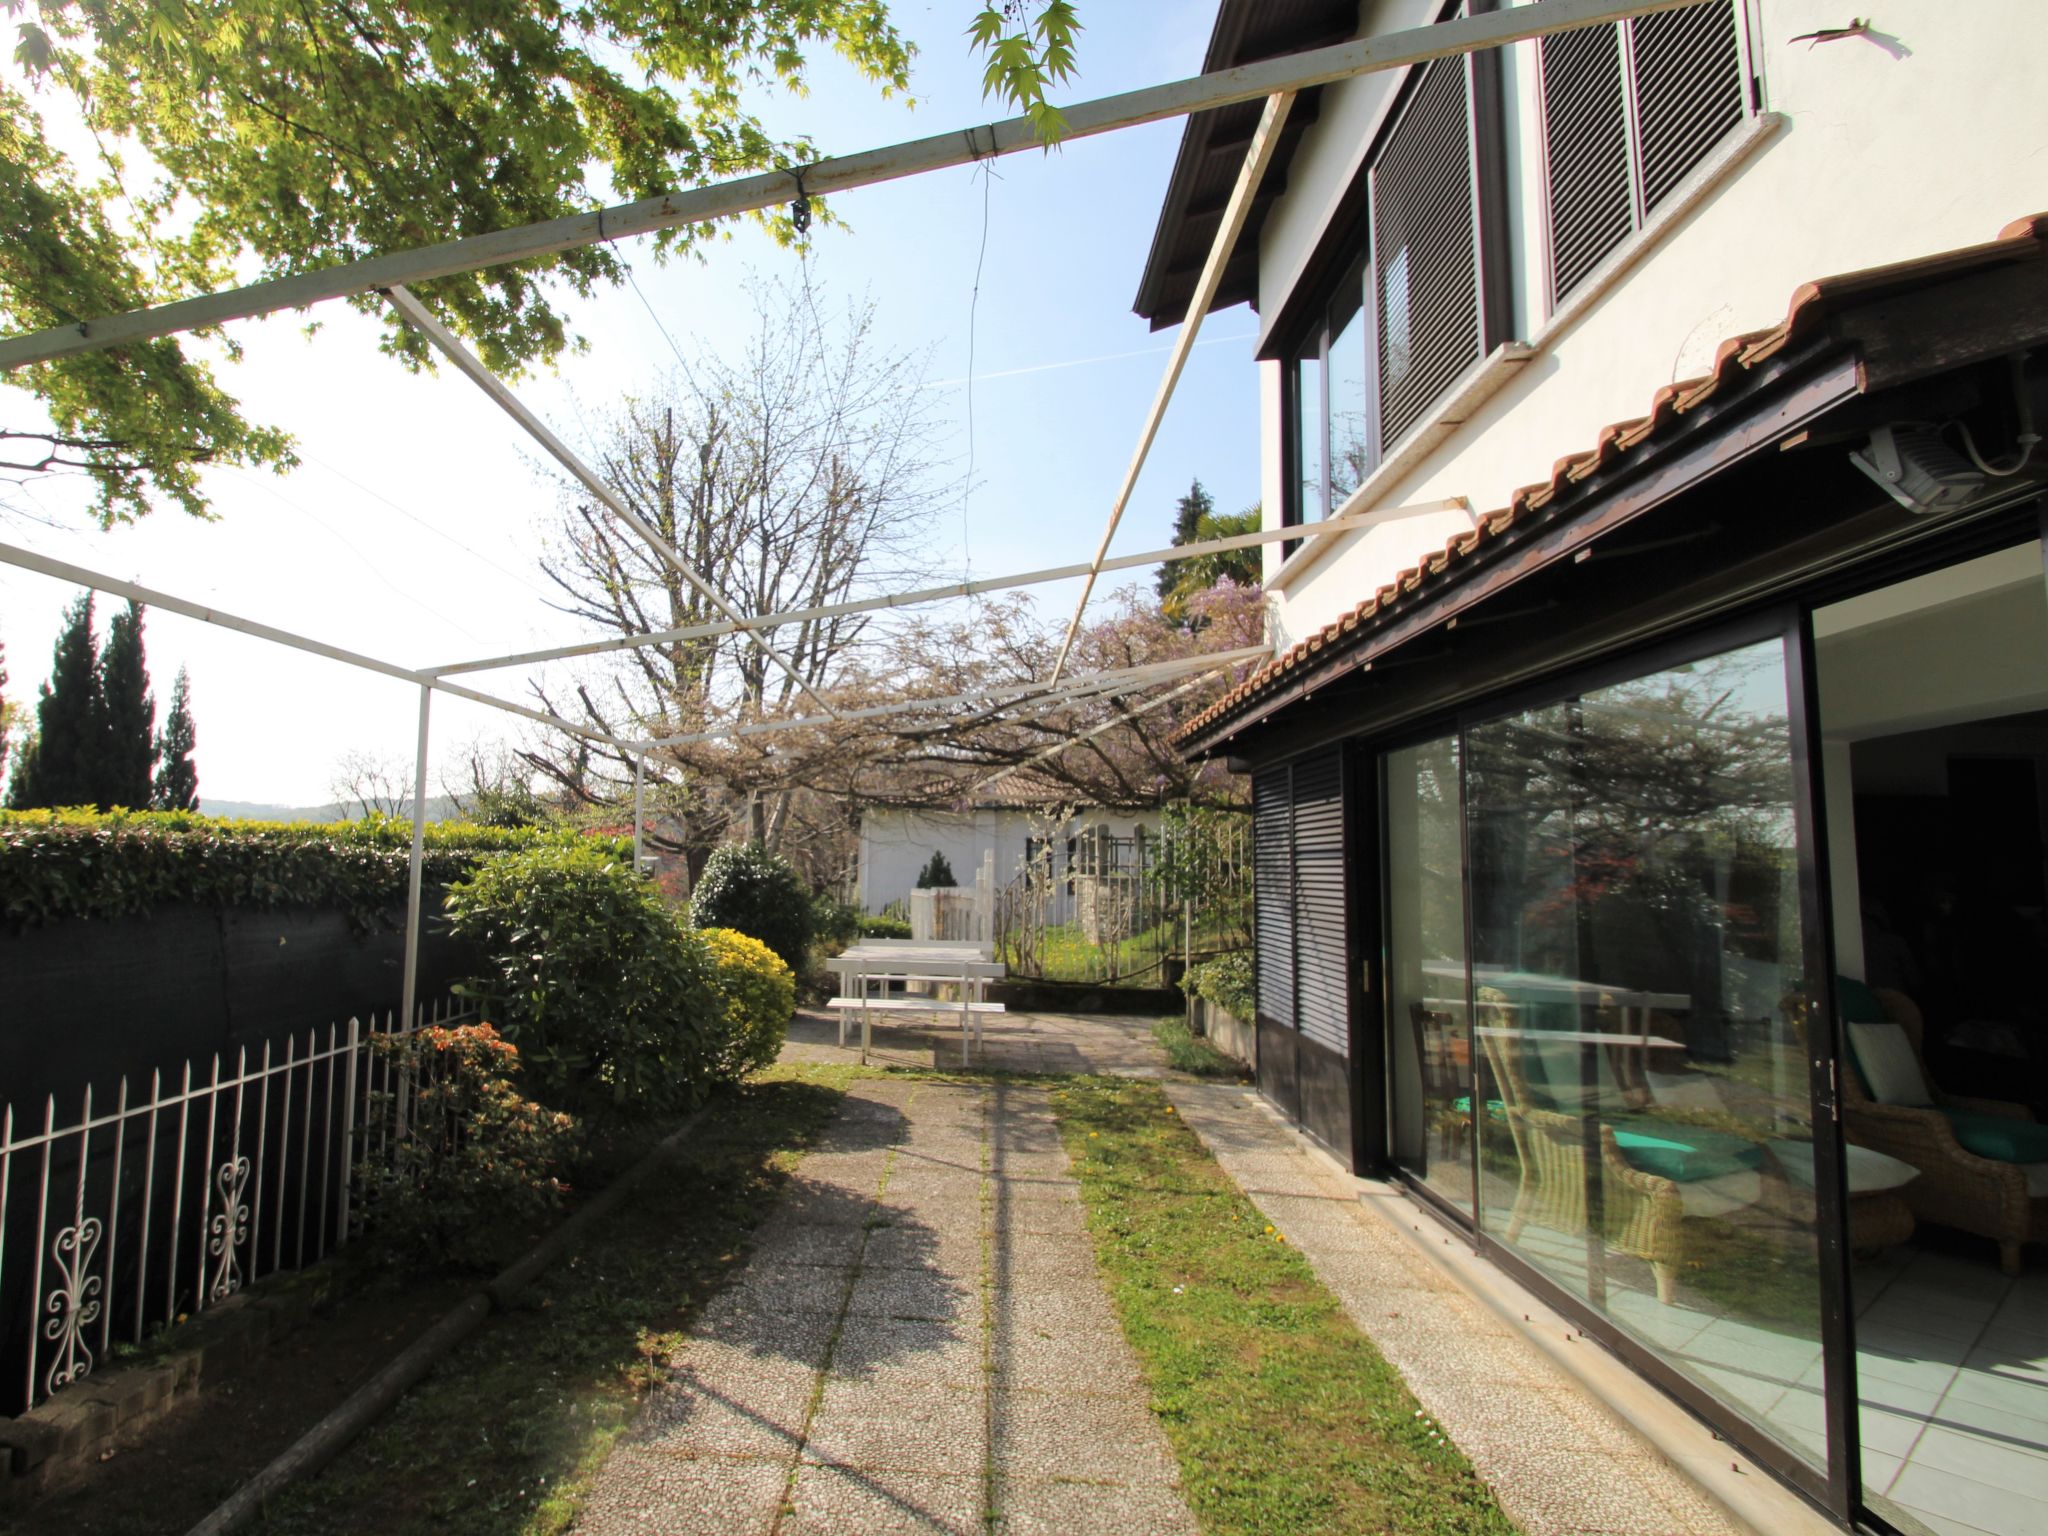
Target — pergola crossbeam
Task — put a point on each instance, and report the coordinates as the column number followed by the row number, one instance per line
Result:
column 746, row 194
column 956, row 589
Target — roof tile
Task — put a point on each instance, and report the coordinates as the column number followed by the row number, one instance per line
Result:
column 1812, row 305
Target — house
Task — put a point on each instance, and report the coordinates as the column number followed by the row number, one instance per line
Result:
column 1013, row 818
column 1650, row 796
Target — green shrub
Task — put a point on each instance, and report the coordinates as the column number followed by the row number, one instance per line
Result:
column 884, row 928
column 744, row 886
column 1225, row 981
column 759, row 993
column 81, row 863
column 608, row 994
column 480, row 1170
column 834, row 923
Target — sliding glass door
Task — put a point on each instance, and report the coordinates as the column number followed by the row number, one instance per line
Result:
column 1597, row 972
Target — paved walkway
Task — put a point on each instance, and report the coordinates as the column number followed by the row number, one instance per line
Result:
column 1560, row 1463
column 1010, row 1042
column 919, row 1344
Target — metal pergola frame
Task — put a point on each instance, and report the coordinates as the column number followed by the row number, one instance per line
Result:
column 1276, row 80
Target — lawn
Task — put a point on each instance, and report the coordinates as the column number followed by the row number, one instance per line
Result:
column 1284, row 1416
column 1188, row 1052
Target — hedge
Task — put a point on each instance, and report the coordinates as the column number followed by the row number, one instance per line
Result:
column 82, row 863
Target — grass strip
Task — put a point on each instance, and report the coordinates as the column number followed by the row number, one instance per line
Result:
column 506, row 1433
column 1284, row 1416
column 1191, row 1053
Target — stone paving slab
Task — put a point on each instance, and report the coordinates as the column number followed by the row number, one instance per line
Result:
column 1560, row 1463
column 920, row 1343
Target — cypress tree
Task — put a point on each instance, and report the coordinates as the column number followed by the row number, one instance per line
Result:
column 1187, row 520
column 127, row 755
column 58, row 766
column 177, row 780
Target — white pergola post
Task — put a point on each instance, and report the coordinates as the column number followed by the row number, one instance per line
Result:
column 639, row 803
column 410, row 993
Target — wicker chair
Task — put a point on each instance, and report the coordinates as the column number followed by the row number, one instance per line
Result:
column 1956, row 1188
column 1644, row 1213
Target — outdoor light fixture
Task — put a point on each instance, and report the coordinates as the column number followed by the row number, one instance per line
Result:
column 1917, row 469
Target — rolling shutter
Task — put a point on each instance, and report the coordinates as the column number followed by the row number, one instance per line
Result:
column 1425, row 256
column 1688, row 69
column 1585, row 146
column 1273, row 894
column 1321, row 951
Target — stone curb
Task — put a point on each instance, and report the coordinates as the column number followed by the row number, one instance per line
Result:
column 59, row 1438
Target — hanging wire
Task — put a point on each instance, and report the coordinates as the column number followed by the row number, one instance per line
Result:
column 655, row 316
column 986, row 170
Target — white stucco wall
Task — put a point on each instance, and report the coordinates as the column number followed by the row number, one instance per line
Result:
column 1879, row 158
column 896, row 845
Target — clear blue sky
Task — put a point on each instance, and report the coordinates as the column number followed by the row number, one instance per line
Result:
column 411, row 532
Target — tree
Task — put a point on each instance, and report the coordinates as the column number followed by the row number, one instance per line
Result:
column 937, row 873
column 177, row 779
column 127, row 753
column 59, row 764
column 793, row 477
column 1188, row 513
column 6, row 714
column 367, row 783
column 277, row 139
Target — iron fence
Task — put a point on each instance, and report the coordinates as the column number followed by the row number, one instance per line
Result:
column 114, row 1223
column 1087, row 905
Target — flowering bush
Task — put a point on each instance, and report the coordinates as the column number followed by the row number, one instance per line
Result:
column 478, row 1166
column 760, row 995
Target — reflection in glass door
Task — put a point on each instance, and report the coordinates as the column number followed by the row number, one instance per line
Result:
column 1596, row 971
column 1427, row 1025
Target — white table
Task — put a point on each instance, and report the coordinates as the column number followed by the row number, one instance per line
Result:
column 873, row 961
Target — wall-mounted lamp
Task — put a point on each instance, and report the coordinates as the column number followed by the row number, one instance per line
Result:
column 1917, row 469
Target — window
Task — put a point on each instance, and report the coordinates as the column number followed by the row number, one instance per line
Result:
column 1420, row 291
column 1628, row 110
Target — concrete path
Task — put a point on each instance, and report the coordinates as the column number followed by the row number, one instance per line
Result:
column 920, row 1343
column 1558, row 1460
column 1010, row 1042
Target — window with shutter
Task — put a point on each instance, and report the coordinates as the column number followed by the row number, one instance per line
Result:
column 1273, row 893
column 1628, row 110
column 1416, row 286
column 1321, row 947
column 1425, row 257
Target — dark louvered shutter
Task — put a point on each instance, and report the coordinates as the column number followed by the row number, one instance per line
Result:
column 1321, row 963
column 1688, row 69
column 1273, row 893
column 1425, row 259
column 1585, row 142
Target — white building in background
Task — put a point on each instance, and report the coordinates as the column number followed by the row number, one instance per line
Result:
column 1010, row 821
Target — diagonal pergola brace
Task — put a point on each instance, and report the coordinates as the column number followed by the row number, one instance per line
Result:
column 1265, row 141
column 450, row 346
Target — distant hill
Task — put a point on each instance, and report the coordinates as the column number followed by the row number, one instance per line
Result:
column 439, row 808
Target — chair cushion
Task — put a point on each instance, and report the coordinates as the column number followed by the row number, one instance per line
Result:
column 2037, row 1180
column 1684, row 1154
column 2000, row 1139
column 1888, row 1065
column 1858, row 1004
column 1869, row 1171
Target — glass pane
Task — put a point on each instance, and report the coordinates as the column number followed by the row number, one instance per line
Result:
column 1349, row 460
column 1637, row 958
column 1308, row 438
column 1426, row 1019
column 1934, row 750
